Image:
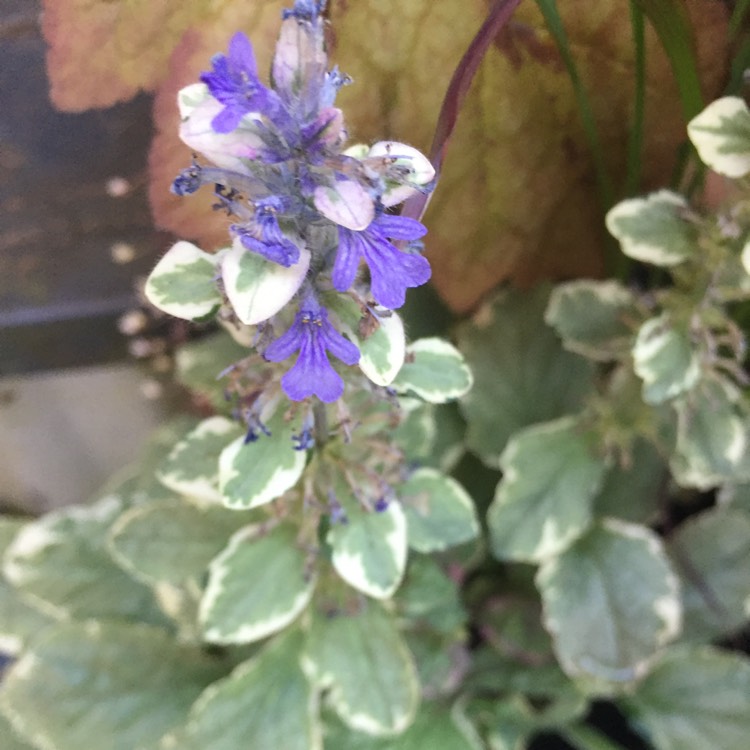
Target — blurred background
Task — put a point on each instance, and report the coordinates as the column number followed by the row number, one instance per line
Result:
column 75, row 236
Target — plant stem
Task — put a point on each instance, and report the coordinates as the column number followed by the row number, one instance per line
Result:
column 320, row 415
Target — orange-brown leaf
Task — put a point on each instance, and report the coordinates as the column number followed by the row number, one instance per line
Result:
column 101, row 52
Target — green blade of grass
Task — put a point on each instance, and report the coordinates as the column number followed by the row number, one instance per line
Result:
column 556, row 28
column 738, row 16
column 672, row 25
column 635, row 138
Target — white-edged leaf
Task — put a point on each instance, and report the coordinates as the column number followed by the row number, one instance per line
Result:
column 266, row 702
column 414, row 168
column 255, row 473
column 721, row 134
column 712, row 436
column 192, row 467
column 665, row 359
column 593, row 318
column 435, row 370
column 226, row 150
column 695, row 698
column 543, row 502
column 61, row 562
column 345, row 203
column 345, row 652
column 183, row 283
column 653, row 230
column 256, row 586
column 711, row 551
column 172, row 541
column 610, row 602
column 107, row 685
column 258, row 288
column 439, row 511
column 522, row 374
column 369, row 551
column 383, row 349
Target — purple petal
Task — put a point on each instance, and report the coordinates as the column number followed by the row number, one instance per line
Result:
column 241, row 54
column 286, row 344
column 347, row 259
column 339, row 346
column 392, row 272
column 399, row 227
column 312, row 375
column 227, row 120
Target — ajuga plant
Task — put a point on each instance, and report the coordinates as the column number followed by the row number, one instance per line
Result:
column 298, row 570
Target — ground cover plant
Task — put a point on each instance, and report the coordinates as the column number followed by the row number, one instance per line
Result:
column 387, row 523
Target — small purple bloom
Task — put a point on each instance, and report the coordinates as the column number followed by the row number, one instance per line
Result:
column 234, row 82
column 312, row 374
column 304, row 10
column 392, row 271
column 263, row 234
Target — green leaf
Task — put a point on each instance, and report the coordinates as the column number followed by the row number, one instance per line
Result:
column 416, row 433
column 345, row 652
column 711, row 552
column 11, row 741
column 712, row 437
column 255, row 473
column 256, row 586
column 434, row 370
column 428, row 595
column 258, row 288
column 522, row 374
column 104, row 684
column 543, row 502
column 19, row 619
column 631, row 491
column 383, row 349
column 199, row 364
column 433, row 728
column 192, row 467
column 172, row 541
column 61, row 562
column 439, row 511
column 593, row 318
column 653, row 229
column 695, row 698
column 369, row 551
column 721, row 134
column 665, row 359
column 265, row 703
column 183, row 283
column 610, row 601
column 736, row 496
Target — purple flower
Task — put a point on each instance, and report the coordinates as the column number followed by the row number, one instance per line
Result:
column 234, row 82
column 392, row 271
column 312, row 373
column 263, row 234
